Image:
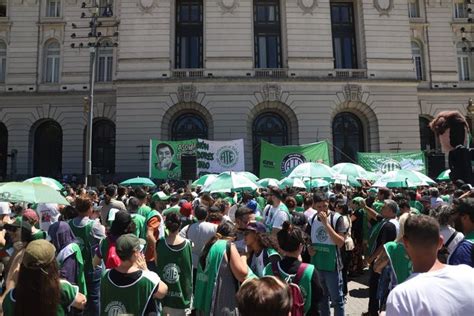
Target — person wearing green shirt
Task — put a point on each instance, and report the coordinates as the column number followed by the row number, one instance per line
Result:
column 139, row 220
column 174, row 265
column 31, row 217
column 130, row 288
column 174, row 207
column 39, row 291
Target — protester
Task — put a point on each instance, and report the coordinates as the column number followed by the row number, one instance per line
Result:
column 32, row 218
column 48, row 214
column 276, row 213
column 291, row 240
column 139, row 220
column 327, row 233
column 174, row 265
column 434, row 288
column 174, row 207
column 131, row 288
column 262, row 247
column 265, row 296
column 68, row 255
column 109, row 203
column 88, row 232
column 39, row 290
column 451, row 237
column 464, row 221
column 220, row 268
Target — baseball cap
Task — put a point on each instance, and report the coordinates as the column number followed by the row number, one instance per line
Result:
column 256, row 227
column 38, row 254
column 127, row 244
column 186, row 209
column 252, row 204
column 5, row 208
column 30, row 215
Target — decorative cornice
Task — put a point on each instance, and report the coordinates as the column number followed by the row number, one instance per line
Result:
column 308, row 6
column 383, row 6
column 228, row 6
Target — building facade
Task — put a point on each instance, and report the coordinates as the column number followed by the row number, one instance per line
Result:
column 366, row 75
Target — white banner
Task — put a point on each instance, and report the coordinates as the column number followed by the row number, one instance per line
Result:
column 219, row 156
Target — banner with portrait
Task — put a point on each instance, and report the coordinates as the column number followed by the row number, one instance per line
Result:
column 165, row 157
column 278, row 161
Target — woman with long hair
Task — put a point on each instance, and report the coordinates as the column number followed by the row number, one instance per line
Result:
column 291, row 240
column 39, row 290
column 220, row 269
column 262, row 247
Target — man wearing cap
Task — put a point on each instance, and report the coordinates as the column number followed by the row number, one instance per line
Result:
column 174, row 207
column 464, row 222
column 5, row 212
column 131, row 288
column 276, row 213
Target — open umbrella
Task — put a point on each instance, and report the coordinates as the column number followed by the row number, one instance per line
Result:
column 312, row 170
column 444, row 176
column 50, row 182
column 138, row 181
column 316, row 183
column 230, row 181
column 265, row 182
column 30, row 193
column 248, row 175
column 204, row 180
column 291, row 183
column 346, row 180
column 403, row 179
column 351, row 169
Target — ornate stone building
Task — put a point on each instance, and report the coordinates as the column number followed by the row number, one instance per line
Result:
column 367, row 75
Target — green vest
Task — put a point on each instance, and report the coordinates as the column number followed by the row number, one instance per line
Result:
column 399, row 260
column 204, row 291
column 325, row 258
column 257, row 263
column 140, row 225
column 271, row 217
column 377, row 206
column 417, row 204
column 176, row 269
column 144, row 210
column 40, row 234
column 304, row 283
column 70, row 249
column 83, row 237
column 68, row 293
column 470, row 236
column 131, row 299
column 174, row 209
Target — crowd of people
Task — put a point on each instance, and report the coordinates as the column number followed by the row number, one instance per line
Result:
column 178, row 251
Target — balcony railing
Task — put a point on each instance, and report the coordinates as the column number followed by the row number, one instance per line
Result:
column 188, row 73
column 351, row 73
column 271, row 73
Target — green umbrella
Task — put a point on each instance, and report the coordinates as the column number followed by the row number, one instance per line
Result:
column 265, row 182
column 316, row 183
column 444, row 176
column 138, row 181
column 230, row 181
column 403, row 179
column 346, row 180
column 351, row 169
column 372, row 176
column 30, row 193
column 248, row 175
column 204, row 180
column 312, row 170
column 291, row 183
column 50, row 182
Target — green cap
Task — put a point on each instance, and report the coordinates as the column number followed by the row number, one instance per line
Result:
column 357, row 200
column 373, row 190
column 160, row 196
column 299, row 198
column 127, row 244
column 38, row 254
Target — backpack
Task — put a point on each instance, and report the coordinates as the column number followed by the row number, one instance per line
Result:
column 443, row 253
column 297, row 307
column 111, row 259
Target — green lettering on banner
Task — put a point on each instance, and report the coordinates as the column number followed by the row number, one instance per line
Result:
column 384, row 162
column 278, row 161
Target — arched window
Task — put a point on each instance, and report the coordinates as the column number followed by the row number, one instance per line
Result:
column 105, row 61
column 3, row 150
column 48, row 149
column 270, row 127
column 103, row 147
column 3, row 61
column 427, row 137
column 417, row 55
column 189, row 126
column 348, row 137
column 52, row 58
column 464, row 61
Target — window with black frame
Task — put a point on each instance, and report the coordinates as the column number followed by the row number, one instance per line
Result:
column 348, row 137
column 267, row 33
column 343, row 35
column 189, row 34
column 189, row 126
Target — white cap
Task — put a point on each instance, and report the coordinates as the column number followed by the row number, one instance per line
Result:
column 5, row 208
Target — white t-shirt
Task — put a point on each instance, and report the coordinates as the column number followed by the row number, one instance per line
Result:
column 48, row 214
column 276, row 217
column 447, row 232
column 449, row 291
column 309, row 214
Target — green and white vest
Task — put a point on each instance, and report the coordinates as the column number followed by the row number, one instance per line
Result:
column 175, row 267
column 140, row 225
column 131, row 299
column 65, row 253
column 325, row 258
column 304, row 283
column 270, row 216
column 258, row 264
column 83, row 236
column 399, row 260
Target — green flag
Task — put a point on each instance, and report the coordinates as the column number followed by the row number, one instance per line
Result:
column 385, row 162
column 165, row 157
column 278, row 161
